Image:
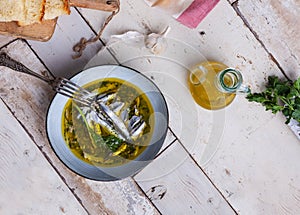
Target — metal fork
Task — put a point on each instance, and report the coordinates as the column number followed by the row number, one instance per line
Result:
column 72, row 90
column 59, row 84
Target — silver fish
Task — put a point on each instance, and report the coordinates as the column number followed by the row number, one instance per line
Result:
column 116, row 122
column 106, row 97
column 124, row 115
column 138, row 130
column 115, row 117
column 116, row 107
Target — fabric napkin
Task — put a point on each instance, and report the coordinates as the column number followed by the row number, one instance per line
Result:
column 188, row 12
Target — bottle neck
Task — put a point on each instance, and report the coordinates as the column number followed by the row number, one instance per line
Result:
column 231, row 81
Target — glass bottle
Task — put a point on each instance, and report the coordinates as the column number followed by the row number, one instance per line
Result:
column 214, row 86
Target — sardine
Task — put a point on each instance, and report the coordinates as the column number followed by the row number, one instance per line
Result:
column 116, row 107
column 138, row 131
column 124, row 115
column 115, row 117
column 106, row 97
column 117, row 123
column 133, row 122
column 94, row 117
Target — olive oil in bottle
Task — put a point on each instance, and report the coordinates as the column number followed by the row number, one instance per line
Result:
column 213, row 85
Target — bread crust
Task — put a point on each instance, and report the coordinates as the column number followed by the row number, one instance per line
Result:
column 43, row 10
column 67, row 6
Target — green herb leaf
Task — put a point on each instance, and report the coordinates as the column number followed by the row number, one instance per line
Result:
column 296, row 115
column 297, row 84
column 280, row 96
column 257, row 97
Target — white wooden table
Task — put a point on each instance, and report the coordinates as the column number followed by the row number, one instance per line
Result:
column 239, row 160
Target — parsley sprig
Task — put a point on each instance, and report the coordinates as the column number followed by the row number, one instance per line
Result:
column 280, row 95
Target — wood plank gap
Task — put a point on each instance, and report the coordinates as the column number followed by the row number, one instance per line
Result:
column 111, row 53
column 7, row 44
column 95, row 32
column 172, row 132
column 157, row 155
column 46, row 156
column 217, row 189
column 247, row 24
column 232, row 2
column 138, row 186
column 212, row 183
column 38, row 57
column 208, row 178
column 13, row 113
column 87, row 22
column 166, row 147
column 141, row 190
column 176, row 138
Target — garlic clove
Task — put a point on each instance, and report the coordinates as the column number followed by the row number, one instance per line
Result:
column 159, row 47
column 151, row 40
column 157, row 42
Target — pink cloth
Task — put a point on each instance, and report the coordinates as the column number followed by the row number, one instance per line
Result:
column 196, row 12
column 188, row 12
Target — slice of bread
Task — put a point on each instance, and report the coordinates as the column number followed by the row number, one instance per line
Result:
column 27, row 12
column 12, row 10
column 55, row 8
column 34, row 12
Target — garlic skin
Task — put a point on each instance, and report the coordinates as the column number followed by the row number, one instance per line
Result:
column 156, row 43
column 132, row 38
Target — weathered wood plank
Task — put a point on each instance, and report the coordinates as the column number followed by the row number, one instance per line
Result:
column 4, row 40
column 223, row 39
column 28, row 98
column 176, row 185
column 169, row 70
column 29, row 185
column 123, row 197
column 29, row 102
column 257, row 172
column 276, row 24
column 58, row 51
column 213, row 138
column 170, row 139
column 232, row 1
column 248, row 153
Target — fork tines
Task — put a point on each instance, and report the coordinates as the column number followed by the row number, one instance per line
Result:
column 72, row 90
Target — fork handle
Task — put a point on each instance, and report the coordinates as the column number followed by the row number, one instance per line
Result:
column 7, row 61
